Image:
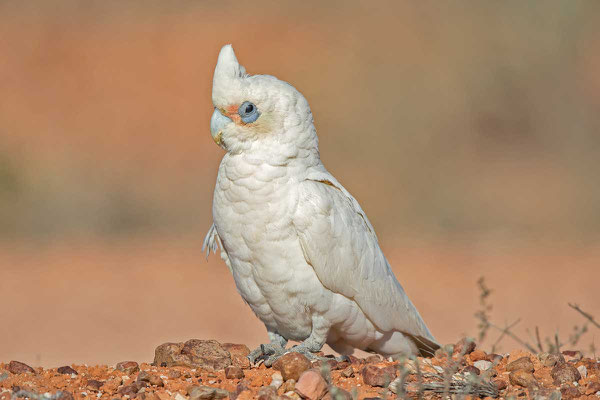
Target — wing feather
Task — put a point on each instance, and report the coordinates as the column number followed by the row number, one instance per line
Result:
column 340, row 243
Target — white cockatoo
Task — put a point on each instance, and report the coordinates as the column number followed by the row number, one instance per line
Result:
column 302, row 252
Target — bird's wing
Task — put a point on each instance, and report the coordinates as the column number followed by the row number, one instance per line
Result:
column 339, row 242
column 212, row 241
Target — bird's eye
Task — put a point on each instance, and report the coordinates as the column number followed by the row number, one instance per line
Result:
column 248, row 112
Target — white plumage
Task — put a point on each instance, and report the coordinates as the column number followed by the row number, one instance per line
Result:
column 302, row 252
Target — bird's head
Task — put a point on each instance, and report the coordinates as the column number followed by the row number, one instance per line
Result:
column 258, row 113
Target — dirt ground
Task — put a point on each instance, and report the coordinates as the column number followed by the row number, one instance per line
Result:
column 101, row 303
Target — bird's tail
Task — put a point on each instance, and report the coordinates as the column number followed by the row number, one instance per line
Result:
column 426, row 347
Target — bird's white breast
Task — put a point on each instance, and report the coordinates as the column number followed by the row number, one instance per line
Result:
column 253, row 206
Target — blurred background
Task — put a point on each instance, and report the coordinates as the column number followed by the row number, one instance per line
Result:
column 468, row 131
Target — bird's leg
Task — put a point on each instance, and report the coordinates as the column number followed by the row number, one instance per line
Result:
column 314, row 343
column 269, row 352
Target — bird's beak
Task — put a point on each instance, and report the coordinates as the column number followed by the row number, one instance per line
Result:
column 217, row 123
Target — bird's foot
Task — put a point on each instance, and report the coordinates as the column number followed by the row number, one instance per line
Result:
column 269, row 353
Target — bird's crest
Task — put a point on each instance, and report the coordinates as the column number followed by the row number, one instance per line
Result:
column 227, row 73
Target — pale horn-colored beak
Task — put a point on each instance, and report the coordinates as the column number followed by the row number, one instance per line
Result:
column 217, row 123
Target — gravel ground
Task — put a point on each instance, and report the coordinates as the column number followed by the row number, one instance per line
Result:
column 206, row 369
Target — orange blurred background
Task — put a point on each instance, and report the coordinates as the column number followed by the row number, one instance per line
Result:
column 468, row 131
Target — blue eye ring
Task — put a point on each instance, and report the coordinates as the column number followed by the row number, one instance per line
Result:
column 248, row 112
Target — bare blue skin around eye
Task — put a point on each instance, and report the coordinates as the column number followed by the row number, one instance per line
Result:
column 248, row 117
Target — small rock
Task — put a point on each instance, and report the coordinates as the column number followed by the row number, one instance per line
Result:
column 464, row 346
column 276, row 380
column 582, row 371
column 572, row 355
column 311, row 385
column 178, row 396
column 195, row 353
column 550, row 359
column 288, row 386
column 501, row 384
column 482, row 365
column 521, row 364
column 154, row 380
column 128, row 367
column 4, row 376
column 66, row 370
column 130, row 390
column 336, row 393
column 565, row 373
column 477, row 355
column 292, row 365
column 378, row 376
column 234, row 372
column 17, row 367
column 494, row 358
column 471, row 369
column 267, row 393
column 239, row 354
column 206, row 392
column 375, row 358
column 94, row 384
column 522, row 378
column 570, row 392
column 348, row 372
column 174, row 374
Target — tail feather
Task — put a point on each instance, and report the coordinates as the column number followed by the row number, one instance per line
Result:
column 426, row 347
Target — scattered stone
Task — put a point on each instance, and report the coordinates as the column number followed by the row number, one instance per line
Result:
column 153, row 380
column 206, row 392
column 482, row 365
column 523, row 364
column 195, row 353
column 292, row 365
column 378, row 376
column 130, row 390
column 66, row 370
column 375, row 358
column 477, row 355
column 178, row 396
column 471, row 369
column 234, row 372
column 550, row 359
column 522, row 378
column 565, row 373
column 494, row 358
column 276, row 380
column 501, row 384
column 174, row 374
column 267, row 393
column 94, row 384
column 239, row 354
column 288, row 386
column 348, row 372
column 582, row 371
column 17, row 367
column 128, row 367
column 311, row 385
column 464, row 346
column 4, row 376
column 572, row 355
column 150, row 396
